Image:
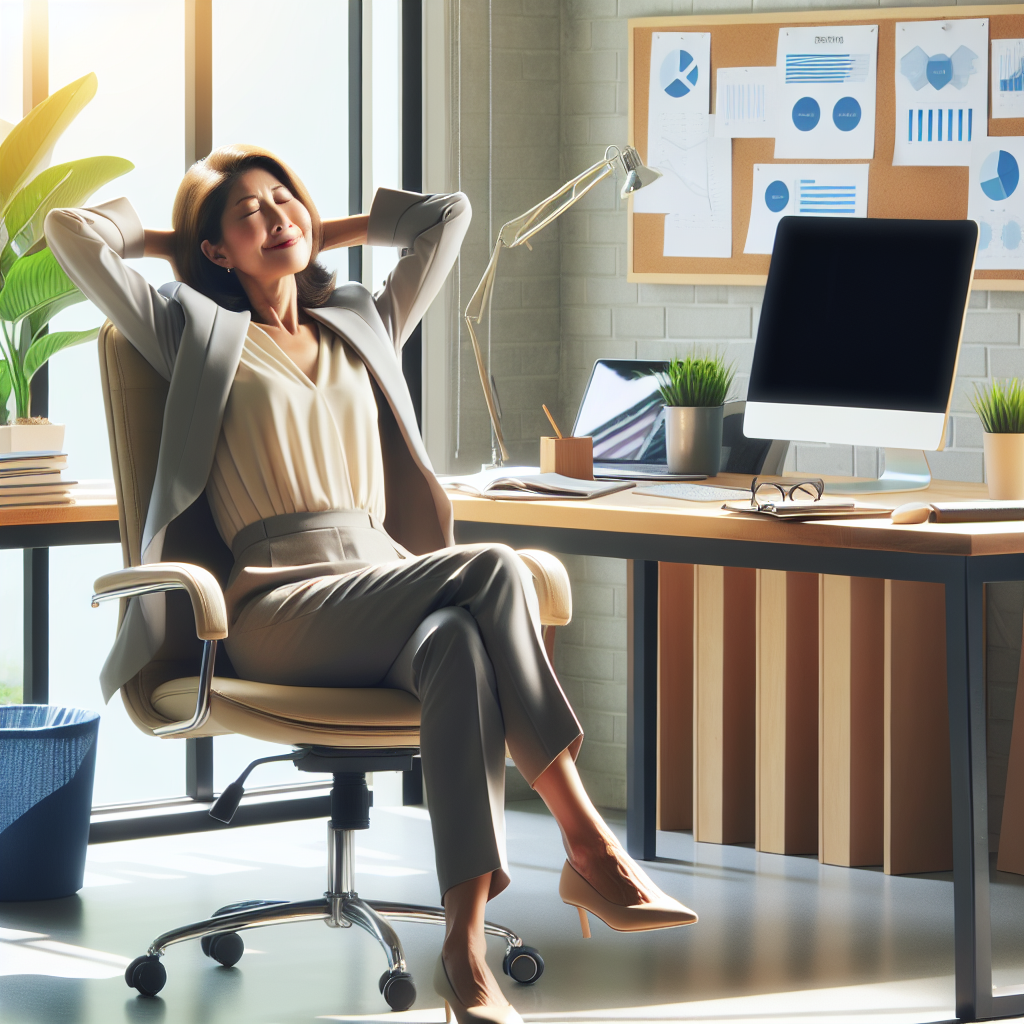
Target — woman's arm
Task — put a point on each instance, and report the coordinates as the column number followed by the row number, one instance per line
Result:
column 428, row 229
column 344, row 231
column 92, row 246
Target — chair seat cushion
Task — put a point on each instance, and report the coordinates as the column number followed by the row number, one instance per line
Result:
column 349, row 716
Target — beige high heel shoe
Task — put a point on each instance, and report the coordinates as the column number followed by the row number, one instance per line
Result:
column 579, row 893
column 469, row 1015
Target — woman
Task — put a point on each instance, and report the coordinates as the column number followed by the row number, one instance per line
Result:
column 288, row 407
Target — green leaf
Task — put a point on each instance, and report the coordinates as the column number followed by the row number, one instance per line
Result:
column 50, row 344
column 67, row 184
column 35, row 134
column 42, row 316
column 5, row 391
column 34, row 282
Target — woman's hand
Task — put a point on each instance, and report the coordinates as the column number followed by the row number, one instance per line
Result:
column 345, row 231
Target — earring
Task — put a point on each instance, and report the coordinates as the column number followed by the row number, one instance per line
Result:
column 228, row 269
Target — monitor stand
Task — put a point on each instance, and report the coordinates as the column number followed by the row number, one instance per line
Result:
column 906, row 469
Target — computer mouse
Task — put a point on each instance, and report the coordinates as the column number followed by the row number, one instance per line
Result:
column 911, row 512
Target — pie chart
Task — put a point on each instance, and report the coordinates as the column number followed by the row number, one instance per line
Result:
column 999, row 175
column 678, row 73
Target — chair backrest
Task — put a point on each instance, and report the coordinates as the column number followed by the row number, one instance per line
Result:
column 134, row 395
column 753, row 455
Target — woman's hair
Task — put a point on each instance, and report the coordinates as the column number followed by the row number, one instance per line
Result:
column 198, row 211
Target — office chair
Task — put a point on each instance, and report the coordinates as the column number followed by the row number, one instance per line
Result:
column 343, row 732
column 753, row 455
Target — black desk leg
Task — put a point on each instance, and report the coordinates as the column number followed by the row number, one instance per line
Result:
column 965, row 676
column 199, row 768
column 36, row 626
column 642, row 712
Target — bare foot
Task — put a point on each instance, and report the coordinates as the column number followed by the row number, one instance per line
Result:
column 603, row 862
column 468, row 972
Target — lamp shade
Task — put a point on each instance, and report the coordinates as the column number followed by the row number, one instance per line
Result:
column 638, row 174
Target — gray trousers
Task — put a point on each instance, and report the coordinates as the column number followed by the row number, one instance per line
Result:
column 328, row 599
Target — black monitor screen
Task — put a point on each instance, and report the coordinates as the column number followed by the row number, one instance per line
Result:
column 863, row 313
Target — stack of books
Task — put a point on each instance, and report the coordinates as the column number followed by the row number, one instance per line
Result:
column 34, row 478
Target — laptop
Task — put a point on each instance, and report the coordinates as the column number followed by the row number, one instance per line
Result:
column 624, row 414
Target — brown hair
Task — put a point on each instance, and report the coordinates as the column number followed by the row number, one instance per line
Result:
column 198, row 210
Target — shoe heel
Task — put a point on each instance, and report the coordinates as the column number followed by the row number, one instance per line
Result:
column 447, row 1013
column 584, row 923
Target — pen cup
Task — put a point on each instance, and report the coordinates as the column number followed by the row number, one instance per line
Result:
column 569, row 456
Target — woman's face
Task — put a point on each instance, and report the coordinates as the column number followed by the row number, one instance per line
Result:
column 266, row 232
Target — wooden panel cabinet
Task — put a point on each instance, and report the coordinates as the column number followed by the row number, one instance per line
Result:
column 787, row 712
column 723, row 708
column 851, row 615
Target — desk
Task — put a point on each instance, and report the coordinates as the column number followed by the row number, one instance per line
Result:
column 92, row 519
column 963, row 558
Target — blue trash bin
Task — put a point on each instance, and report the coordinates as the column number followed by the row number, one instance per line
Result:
column 47, row 763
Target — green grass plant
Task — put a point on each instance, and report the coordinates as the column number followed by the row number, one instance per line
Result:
column 696, row 381
column 1000, row 406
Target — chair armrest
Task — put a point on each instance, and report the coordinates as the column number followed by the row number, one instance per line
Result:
column 202, row 588
column 552, row 584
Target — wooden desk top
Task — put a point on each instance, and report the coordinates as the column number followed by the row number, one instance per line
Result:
column 94, row 502
column 627, row 512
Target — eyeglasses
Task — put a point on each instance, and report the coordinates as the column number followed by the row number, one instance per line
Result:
column 765, row 493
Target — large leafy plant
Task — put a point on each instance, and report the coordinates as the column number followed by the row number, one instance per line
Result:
column 33, row 287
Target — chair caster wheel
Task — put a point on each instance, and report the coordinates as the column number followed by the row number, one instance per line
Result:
column 397, row 989
column 146, row 975
column 523, row 964
column 226, row 948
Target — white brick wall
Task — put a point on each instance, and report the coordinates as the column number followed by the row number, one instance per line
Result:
column 563, row 91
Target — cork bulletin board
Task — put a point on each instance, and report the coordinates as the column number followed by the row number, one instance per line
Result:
column 744, row 40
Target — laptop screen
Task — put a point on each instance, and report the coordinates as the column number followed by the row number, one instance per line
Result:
column 622, row 411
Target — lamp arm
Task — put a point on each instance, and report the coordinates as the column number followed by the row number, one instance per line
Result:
column 516, row 232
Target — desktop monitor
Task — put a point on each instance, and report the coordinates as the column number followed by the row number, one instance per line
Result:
column 860, row 332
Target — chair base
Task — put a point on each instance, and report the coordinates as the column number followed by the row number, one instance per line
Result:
column 339, row 907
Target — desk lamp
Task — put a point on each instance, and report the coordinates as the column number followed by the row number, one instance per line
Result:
column 520, row 230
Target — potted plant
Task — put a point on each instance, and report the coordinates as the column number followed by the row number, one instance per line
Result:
column 694, row 391
column 33, row 287
column 1001, row 410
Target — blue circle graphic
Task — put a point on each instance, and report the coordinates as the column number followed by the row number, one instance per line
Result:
column 999, row 175
column 806, row 113
column 776, row 196
column 678, row 73
column 846, row 114
column 1011, row 235
column 984, row 235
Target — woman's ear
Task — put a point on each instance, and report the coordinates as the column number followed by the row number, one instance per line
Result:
column 214, row 255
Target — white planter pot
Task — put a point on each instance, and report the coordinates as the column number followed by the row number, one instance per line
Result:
column 693, row 439
column 1004, row 466
column 32, row 437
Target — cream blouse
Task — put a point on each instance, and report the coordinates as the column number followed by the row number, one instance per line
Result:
column 289, row 445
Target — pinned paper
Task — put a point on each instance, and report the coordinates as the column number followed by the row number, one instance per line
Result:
column 695, row 188
column 745, row 103
column 996, row 201
column 826, row 92
column 803, row 190
column 1007, row 77
column 941, row 91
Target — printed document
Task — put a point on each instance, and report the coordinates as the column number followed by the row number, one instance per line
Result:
column 679, row 144
column 941, row 91
column 996, row 201
column 803, row 190
column 1007, row 77
column 745, row 103
column 826, row 80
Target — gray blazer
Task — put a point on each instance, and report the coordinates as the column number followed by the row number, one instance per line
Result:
column 196, row 344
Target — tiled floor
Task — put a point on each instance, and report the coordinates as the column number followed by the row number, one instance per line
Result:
column 780, row 938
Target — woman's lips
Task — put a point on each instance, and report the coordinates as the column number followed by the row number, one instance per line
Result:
column 284, row 245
